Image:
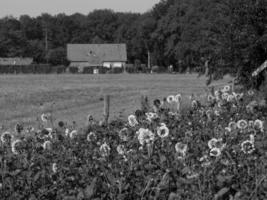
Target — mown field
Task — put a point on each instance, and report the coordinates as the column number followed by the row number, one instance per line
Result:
column 73, row 97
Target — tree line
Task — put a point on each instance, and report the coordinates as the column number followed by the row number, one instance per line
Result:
column 230, row 36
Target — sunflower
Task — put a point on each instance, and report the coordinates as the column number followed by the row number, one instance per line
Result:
column 171, row 99
column 14, row 146
column 242, row 124
column 227, row 88
column 121, row 149
column 247, row 146
column 145, row 136
column 104, row 150
column 132, row 120
column 178, row 98
column 250, row 92
column 151, row 116
column 230, row 98
column 258, row 124
column 205, row 162
column 181, row 148
column 215, row 152
column 123, row 134
column 47, row 145
column 194, row 104
column 45, row 117
column 6, row 137
column 73, row 133
column 216, row 143
column 163, row 131
column 54, row 168
column 232, row 125
column 91, row 137
column 225, row 96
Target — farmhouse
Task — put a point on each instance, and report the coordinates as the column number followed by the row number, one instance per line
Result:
column 17, row 61
column 97, row 55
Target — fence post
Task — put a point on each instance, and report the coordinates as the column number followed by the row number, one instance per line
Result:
column 144, row 103
column 106, row 108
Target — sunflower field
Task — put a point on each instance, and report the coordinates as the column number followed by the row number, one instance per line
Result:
column 213, row 151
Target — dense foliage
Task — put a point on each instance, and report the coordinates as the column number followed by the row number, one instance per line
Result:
column 214, row 151
column 230, row 35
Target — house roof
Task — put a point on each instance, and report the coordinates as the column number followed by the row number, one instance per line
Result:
column 260, row 69
column 16, row 61
column 96, row 53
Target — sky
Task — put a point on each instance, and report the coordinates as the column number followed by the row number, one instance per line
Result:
column 53, row 7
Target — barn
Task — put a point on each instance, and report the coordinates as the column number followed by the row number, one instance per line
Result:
column 97, row 55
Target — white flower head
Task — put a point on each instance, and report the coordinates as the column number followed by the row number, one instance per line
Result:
column 47, row 145
column 14, row 146
column 121, row 149
column 258, row 124
column 45, row 117
column 104, row 150
column 215, row 152
column 163, row 131
column 247, row 146
column 225, row 96
column 242, row 124
column 232, row 126
column 73, row 134
column 67, row 132
column 181, row 149
column 145, row 136
column 205, row 162
column 230, row 98
column 171, row 99
column 123, row 134
column 216, row 143
column 178, row 98
column 54, row 168
column 6, row 136
column 151, row 116
column 132, row 120
column 91, row 136
column 250, row 92
column 227, row 88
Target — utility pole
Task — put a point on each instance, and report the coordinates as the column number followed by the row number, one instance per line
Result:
column 46, row 43
column 148, row 59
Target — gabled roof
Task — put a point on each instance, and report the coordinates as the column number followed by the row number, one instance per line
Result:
column 16, row 61
column 260, row 69
column 96, row 53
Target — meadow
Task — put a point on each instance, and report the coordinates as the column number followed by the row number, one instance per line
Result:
column 72, row 97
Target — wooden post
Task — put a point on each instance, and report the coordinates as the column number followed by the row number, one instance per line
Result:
column 144, row 103
column 106, row 108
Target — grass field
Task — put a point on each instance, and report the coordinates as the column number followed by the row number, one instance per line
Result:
column 73, row 97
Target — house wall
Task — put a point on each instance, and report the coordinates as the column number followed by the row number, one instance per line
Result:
column 113, row 64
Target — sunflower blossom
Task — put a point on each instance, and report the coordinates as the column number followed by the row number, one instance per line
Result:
column 13, row 146
column 215, row 152
column 47, row 145
column 242, row 124
column 132, row 120
column 145, row 136
column 163, row 131
column 247, row 146
column 181, row 149
column 104, row 150
column 171, row 99
column 6, row 136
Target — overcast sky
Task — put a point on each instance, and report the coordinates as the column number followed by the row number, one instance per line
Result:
column 36, row 7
